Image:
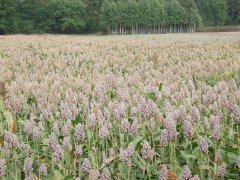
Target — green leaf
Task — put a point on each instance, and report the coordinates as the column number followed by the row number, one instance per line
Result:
column 89, row 135
column 204, row 167
column 69, row 177
column 156, row 136
column 231, row 150
column 1, row 105
column 71, row 157
column 149, row 95
column 189, row 156
column 138, row 88
column 140, row 162
column 92, row 159
column 160, row 86
column 123, row 170
column 9, row 118
column 1, row 140
column 137, row 140
column 57, row 175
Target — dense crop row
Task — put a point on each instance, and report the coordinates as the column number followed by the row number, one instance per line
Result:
column 111, row 108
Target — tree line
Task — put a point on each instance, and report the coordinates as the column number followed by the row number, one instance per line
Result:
column 115, row 16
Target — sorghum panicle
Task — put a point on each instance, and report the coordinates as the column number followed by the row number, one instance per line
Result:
column 203, row 144
column 103, row 132
column 86, row 166
column 206, row 124
column 125, row 155
column 186, row 173
column 79, row 132
column 146, row 151
column 52, row 142
column 58, row 153
column 66, row 129
column 66, row 144
column 94, row 174
column 164, row 137
column 27, row 167
column 134, row 128
column 105, row 175
column 2, row 167
column 78, row 151
column 163, row 173
column 43, row 170
column 125, row 125
column 222, row 170
column 188, row 129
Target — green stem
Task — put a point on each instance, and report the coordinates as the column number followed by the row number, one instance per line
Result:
column 171, row 153
column 36, row 145
column 79, row 171
column 175, row 162
column 75, row 168
column 238, row 138
column 12, row 175
column 129, row 170
column 162, row 153
column 209, row 170
column 15, row 163
column 149, row 174
column 52, row 163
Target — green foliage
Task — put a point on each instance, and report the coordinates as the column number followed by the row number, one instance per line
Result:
column 93, row 12
column 84, row 16
column 148, row 16
column 69, row 15
column 215, row 12
column 233, row 12
column 7, row 14
column 218, row 12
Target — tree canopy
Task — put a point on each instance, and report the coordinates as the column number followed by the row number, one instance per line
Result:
column 115, row 16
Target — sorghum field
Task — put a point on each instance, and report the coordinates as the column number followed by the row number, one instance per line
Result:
column 120, row 107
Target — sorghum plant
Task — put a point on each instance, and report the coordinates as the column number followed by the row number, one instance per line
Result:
column 76, row 107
